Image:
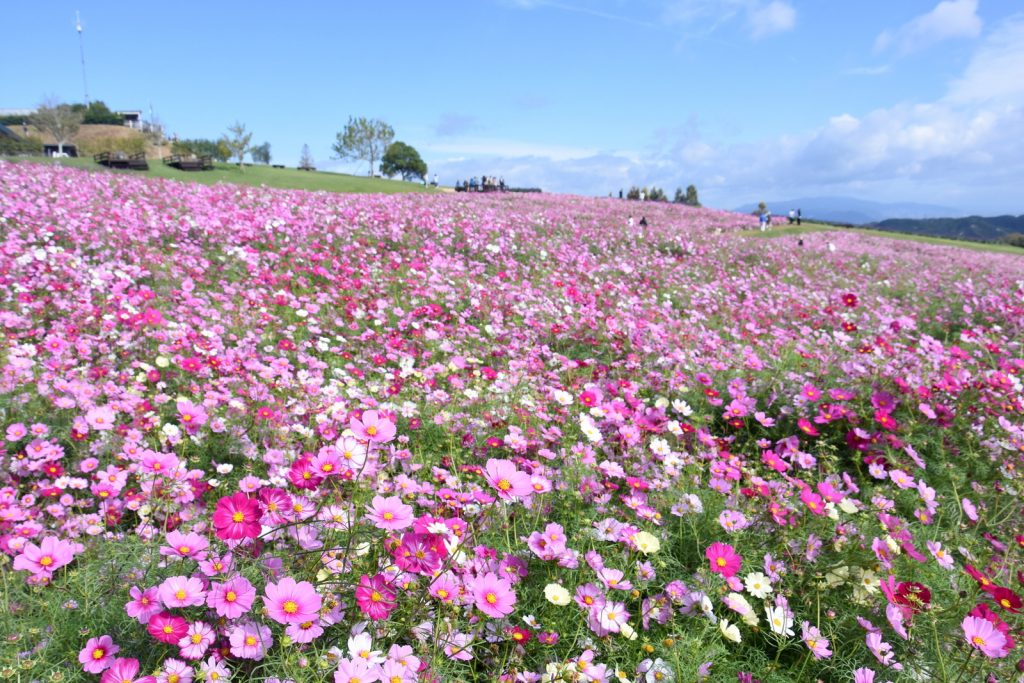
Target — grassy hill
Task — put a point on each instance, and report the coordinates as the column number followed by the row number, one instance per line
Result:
column 282, row 178
column 808, row 228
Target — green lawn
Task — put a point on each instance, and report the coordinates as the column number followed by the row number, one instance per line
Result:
column 284, row 178
column 807, row 228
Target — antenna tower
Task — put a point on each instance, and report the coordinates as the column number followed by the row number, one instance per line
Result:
column 81, row 51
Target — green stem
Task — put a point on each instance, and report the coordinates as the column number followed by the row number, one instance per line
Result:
column 938, row 651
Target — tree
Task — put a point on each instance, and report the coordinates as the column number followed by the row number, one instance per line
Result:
column 691, row 196
column 261, row 153
column 363, row 139
column 217, row 149
column 403, row 159
column 306, row 160
column 97, row 112
column 238, row 141
column 59, row 120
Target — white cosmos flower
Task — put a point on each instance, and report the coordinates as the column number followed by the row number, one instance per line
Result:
column 730, row 631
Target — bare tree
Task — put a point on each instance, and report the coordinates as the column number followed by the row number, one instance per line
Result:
column 59, row 120
column 306, row 160
column 238, row 141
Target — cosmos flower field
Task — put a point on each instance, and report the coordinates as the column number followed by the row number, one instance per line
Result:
column 251, row 434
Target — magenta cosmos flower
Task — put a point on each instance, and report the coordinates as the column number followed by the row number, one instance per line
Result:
column 98, row 654
column 723, row 559
column 237, row 516
column 373, row 427
column 289, row 602
column 509, row 482
column 390, row 513
column 375, row 597
column 123, row 671
column 493, row 595
column 982, row 635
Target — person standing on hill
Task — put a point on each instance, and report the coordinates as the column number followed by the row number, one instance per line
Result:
column 798, row 216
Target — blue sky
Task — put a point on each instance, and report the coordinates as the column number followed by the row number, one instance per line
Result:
column 916, row 100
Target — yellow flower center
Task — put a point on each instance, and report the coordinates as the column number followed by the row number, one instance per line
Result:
column 46, row 560
column 504, row 485
column 196, row 638
column 238, row 517
column 376, row 597
column 491, row 598
column 250, row 640
column 721, row 562
column 180, row 594
column 184, row 549
column 978, row 640
column 442, row 593
column 371, row 430
column 388, row 516
column 231, row 596
column 290, row 607
column 98, row 653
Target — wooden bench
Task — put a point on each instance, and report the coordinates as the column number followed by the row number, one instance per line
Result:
column 134, row 162
column 190, row 163
column 307, row 168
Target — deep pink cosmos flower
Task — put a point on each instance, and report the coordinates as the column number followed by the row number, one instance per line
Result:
column 374, row 596
column 289, row 602
column 508, row 481
column 390, row 513
column 98, row 654
column 167, row 628
column 723, row 559
column 373, row 427
column 237, row 516
column 124, row 671
column 493, row 595
column 420, row 553
column 144, row 603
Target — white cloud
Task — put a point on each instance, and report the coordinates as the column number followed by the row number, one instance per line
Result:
column 949, row 19
column 775, row 17
column 868, row 70
column 965, row 147
column 762, row 18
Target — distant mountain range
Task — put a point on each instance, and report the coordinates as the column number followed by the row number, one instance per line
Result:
column 975, row 228
column 852, row 211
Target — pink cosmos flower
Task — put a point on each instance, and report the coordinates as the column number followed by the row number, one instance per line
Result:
column 50, row 555
column 356, row 671
column 375, row 597
column 289, row 602
column 237, row 516
column 175, row 670
column 373, row 427
column 250, row 641
column 232, row 598
column 123, row 671
column 197, row 640
column 864, row 675
column 98, row 654
column 190, row 545
column 182, row 591
column 144, row 604
column 508, row 481
column 723, row 559
column 420, row 553
column 101, row 418
column 191, row 416
column 982, row 635
column 459, row 647
column 305, row 632
column 493, row 595
column 390, row 513
column 816, row 643
column 612, row 616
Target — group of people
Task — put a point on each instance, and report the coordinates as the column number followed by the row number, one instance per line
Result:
column 486, row 183
column 765, row 218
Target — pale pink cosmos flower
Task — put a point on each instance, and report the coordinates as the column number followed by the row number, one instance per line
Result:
column 291, row 602
column 612, row 616
column 944, row 559
column 250, row 641
column 98, row 654
column 390, row 513
column 50, row 555
column 190, row 545
column 373, row 427
column 101, row 418
column 197, row 641
column 982, row 635
column 182, row 591
column 508, row 481
column 459, row 647
column 232, row 598
column 191, row 416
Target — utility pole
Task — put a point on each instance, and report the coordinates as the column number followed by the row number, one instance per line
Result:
column 81, row 50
